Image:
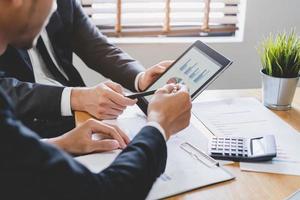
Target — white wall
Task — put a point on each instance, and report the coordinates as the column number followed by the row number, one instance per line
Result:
column 262, row 17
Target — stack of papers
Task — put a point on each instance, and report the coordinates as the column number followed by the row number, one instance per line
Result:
column 247, row 117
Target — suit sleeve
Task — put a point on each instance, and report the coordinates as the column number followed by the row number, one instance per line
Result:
column 33, row 100
column 37, row 170
column 100, row 55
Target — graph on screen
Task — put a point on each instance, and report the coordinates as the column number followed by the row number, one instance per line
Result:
column 193, row 71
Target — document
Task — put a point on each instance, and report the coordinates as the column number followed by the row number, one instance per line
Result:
column 131, row 122
column 185, row 170
column 294, row 196
column 247, row 117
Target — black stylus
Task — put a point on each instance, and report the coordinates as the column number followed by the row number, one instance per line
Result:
column 141, row 94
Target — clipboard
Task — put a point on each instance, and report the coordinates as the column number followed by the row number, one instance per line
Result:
column 188, row 168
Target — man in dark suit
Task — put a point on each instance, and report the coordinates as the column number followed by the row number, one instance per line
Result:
column 33, row 169
column 50, row 62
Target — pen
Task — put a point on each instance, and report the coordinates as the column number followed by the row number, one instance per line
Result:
column 141, row 94
column 147, row 93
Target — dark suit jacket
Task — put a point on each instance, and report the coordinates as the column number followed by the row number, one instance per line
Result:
column 70, row 31
column 37, row 108
column 31, row 169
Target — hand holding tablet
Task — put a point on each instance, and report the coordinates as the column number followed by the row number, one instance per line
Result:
column 196, row 68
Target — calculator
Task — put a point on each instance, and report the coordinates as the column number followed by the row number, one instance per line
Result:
column 243, row 149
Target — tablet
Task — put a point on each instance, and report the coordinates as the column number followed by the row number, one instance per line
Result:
column 197, row 67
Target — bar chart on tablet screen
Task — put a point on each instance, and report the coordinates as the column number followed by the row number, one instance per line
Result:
column 193, row 70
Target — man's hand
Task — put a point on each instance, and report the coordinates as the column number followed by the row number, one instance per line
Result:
column 104, row 101
column 171, row 108
column 79, row 140
column 152, row 73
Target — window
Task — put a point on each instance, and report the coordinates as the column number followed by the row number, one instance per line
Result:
column 171, row 18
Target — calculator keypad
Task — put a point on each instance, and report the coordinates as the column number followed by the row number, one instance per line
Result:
column 228, row 147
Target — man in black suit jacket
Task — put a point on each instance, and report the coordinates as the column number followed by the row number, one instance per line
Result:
column 70, row 31
column 32, row 169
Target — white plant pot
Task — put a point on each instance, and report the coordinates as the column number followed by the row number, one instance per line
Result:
column 278, row 93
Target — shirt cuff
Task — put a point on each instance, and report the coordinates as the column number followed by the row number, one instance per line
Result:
column 65, row 105
column 157, row 126
column 136, row 81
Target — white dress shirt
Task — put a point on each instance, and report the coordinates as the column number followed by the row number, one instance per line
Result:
column 43, row 76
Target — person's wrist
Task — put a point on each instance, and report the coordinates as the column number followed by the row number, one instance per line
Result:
column 160, row 119
column 141, row 84
column 77, row 104
column 57, row 141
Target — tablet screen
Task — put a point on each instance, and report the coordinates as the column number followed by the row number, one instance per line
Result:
column 193, row 69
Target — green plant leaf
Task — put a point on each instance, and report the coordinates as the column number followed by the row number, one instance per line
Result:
column 280, row 54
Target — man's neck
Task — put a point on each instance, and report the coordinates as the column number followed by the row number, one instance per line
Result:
column 3, row 44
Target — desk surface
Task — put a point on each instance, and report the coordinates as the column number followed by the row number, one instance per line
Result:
column 247, row 185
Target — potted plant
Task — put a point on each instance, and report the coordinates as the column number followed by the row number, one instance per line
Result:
column 280, row 59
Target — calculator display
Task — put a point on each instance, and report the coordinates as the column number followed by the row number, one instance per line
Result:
column 258, row 147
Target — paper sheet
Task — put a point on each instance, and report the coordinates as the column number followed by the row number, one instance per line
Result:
column 131, row 122
column 183, row 172
column 247, row 117
column 294, row 196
